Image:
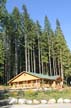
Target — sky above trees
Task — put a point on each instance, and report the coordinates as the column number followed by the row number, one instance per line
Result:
column 52, row 8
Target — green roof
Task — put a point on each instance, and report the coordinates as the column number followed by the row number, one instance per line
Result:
column 43, row 76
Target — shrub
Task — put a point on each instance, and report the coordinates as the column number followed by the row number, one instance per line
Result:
column 13, row 94
column 30, row 94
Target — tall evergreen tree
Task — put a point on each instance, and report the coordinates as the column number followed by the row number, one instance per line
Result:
column 61, row 47
column 24, row 46
column 1, row 58
column 47, row 30
column 38, row 47
column 17, row 33
column 28, row 26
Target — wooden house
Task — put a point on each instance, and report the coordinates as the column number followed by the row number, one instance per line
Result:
column 29, row 80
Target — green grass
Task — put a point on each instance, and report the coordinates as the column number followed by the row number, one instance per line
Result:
column 30, row 94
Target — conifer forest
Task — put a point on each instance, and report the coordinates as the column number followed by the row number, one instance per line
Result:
column 27, row 46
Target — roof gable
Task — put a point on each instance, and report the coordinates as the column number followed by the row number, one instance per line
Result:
column 23, row 76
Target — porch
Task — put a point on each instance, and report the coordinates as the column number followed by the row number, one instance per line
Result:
column 35, row 84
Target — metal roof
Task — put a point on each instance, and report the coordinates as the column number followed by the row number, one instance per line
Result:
column 42, row 76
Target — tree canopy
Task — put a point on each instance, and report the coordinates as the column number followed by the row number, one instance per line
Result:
column 25, row 46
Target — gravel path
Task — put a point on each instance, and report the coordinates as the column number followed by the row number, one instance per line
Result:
column 43, row 106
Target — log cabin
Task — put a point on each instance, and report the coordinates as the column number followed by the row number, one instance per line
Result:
column 29, row 80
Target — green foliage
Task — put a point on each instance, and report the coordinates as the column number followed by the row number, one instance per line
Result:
column 1, row 52
column 30, row 94
column 24, row 45
column 13, row 94
column 62, row 50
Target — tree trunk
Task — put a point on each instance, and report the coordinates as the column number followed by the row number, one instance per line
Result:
column 49, row 56
column 61, row 64
column 59, row 67
column 26, row 53
column 31, row 61
column 42, row 67
column 34, row 63
column 16, row 58
column 28, row 61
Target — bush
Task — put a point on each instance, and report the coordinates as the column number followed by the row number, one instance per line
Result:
column 20, row 94
column 30, row 94
column 13, row 94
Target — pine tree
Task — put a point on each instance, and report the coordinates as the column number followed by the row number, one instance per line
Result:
column 38, row 47
column 61, row 48
column 24, row 46
column 47, row 30
column 1, row 58
column 17, row 33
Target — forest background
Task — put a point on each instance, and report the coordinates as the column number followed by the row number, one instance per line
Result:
column 26, row 46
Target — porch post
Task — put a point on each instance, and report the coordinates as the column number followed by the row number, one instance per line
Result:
column 36, row 84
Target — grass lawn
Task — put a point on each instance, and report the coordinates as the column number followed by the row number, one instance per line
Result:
column 30, row 94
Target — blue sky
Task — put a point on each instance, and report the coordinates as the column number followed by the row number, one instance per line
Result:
column 54, row 9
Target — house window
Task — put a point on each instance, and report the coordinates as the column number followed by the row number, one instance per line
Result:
column 29, row 81
column 20, row 82
column 33, row 81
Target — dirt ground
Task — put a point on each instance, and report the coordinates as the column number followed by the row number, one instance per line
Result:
column 2, row 87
